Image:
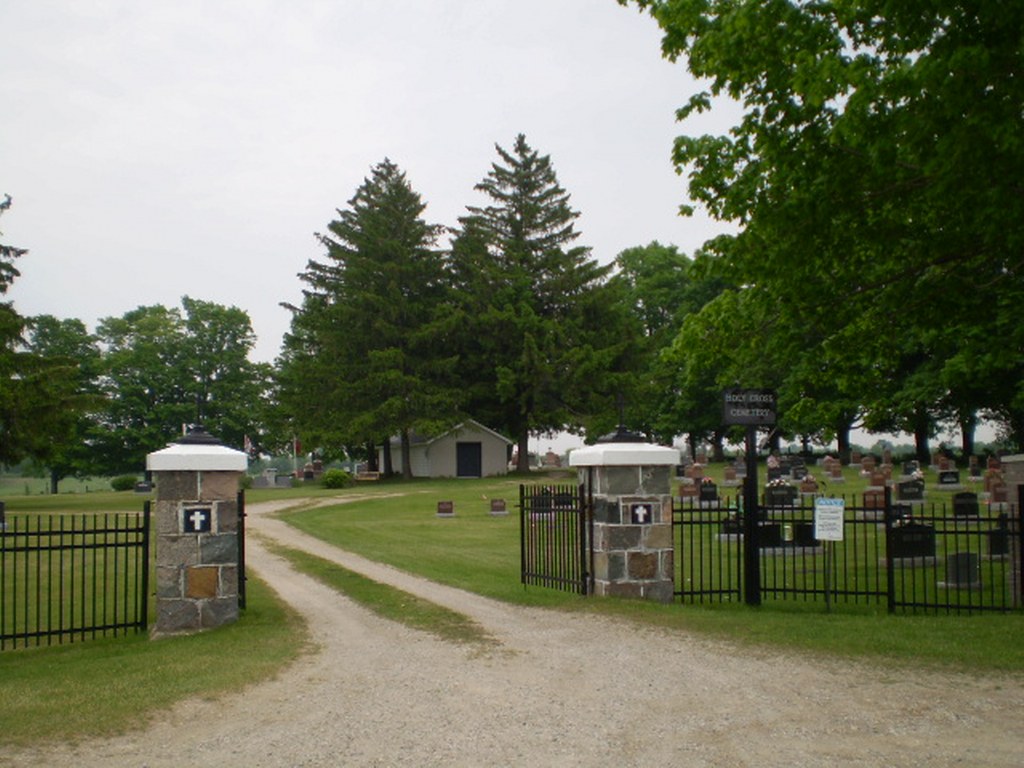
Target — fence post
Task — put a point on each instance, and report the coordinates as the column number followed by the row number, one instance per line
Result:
column 1017, row 550
column 890, row 574
column 751, row 529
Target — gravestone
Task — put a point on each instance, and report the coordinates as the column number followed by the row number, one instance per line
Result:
column 910, row 467
column 949, row 478
column 913, row 540
column 965, row 504
column 498, row 507
column 774, row 473
column 780, row 495
column 999, row 538
column 910, row 490
column 974, row 467
column 769, row 535
column 835, row 473
column 708, row 492
column 963, row 571
column 877, row 480
column 799, row 473
column 729, row 477
column 446, row 509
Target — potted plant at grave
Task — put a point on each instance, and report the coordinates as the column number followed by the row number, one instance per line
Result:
column 779, row 492
column 808, row 484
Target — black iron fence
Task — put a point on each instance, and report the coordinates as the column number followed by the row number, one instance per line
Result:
column 72, row 577
column 955, row 556
column 555, row 538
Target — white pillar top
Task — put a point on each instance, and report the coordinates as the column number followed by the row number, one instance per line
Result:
column 197, row 451
column 624, row 455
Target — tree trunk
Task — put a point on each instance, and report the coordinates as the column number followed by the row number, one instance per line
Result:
column 921, row 424
column 968, row 423
column 523, row 451
column 843, row 444
column 717, row 449
column 54, row 480
column 388, row 469
column 406, row 455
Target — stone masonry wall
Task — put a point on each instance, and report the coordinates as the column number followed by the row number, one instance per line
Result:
column 196, row 572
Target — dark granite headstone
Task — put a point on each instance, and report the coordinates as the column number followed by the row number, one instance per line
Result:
column 949, row 477
column 965, row 504
column 913, row 540
column 911, row 490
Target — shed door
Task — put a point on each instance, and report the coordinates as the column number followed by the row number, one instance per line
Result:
column 469, row 459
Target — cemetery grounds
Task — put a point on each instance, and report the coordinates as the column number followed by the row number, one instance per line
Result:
column 573, row 686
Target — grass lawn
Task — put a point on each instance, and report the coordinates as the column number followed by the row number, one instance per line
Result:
column 108, row 686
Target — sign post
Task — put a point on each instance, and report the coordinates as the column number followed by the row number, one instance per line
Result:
column 750, row 408
column 828, row 527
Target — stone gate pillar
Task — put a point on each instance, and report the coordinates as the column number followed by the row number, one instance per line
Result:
column 631, row 484
column 196, row 514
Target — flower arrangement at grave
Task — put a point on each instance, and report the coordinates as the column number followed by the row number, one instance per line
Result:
column 808, row 484
column 778, row 482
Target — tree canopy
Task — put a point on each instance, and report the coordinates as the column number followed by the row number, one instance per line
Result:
column 370, row 342
column 545, row 332
column 875, row 175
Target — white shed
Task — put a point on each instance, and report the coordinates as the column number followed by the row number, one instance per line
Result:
column 468, row 449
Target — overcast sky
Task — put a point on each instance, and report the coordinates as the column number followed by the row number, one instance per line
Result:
column 161, row 149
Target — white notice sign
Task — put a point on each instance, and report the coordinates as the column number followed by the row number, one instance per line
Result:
column 828, row 519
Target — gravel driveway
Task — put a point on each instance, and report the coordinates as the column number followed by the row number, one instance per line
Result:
column 559, row 690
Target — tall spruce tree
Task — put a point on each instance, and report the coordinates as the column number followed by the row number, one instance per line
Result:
column 543, row 336
column 376, row 322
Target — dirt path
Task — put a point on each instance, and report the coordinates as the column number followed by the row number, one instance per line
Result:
column 560, row 690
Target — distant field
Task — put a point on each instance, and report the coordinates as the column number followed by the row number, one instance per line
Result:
column 38, row 486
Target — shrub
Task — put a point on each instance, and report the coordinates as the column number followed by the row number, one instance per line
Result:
column 123, row 482
column 336, row 478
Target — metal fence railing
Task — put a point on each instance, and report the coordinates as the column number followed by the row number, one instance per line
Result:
column 72, row 577
column 961, row 557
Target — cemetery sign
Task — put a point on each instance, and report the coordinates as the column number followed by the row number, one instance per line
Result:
column 750, row 407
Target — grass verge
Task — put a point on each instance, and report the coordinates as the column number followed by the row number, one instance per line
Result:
column 103, row 687
column 389, row 602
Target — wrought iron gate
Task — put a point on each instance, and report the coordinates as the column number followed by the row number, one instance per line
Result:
column 556, row 534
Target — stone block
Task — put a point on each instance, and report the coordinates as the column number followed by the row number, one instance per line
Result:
column 667, row 565
column 616, row 566
column 660, row 592
column 182, row 550
column 218, row 549
column 227, row 516
column 626, row 589
column 229, row 580
column 166, row 518
column 643, row 566
column 176, row 485
column 656, row 480
column 607, row 511
column 624, row 537
column 622, row 481
column 219, row 485
column 202, row 582
column 216, row 613
column 168, row 581
column 657, row 537
column 177, row 616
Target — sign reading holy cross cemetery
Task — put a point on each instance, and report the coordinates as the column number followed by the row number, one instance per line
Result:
column 751, row 407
